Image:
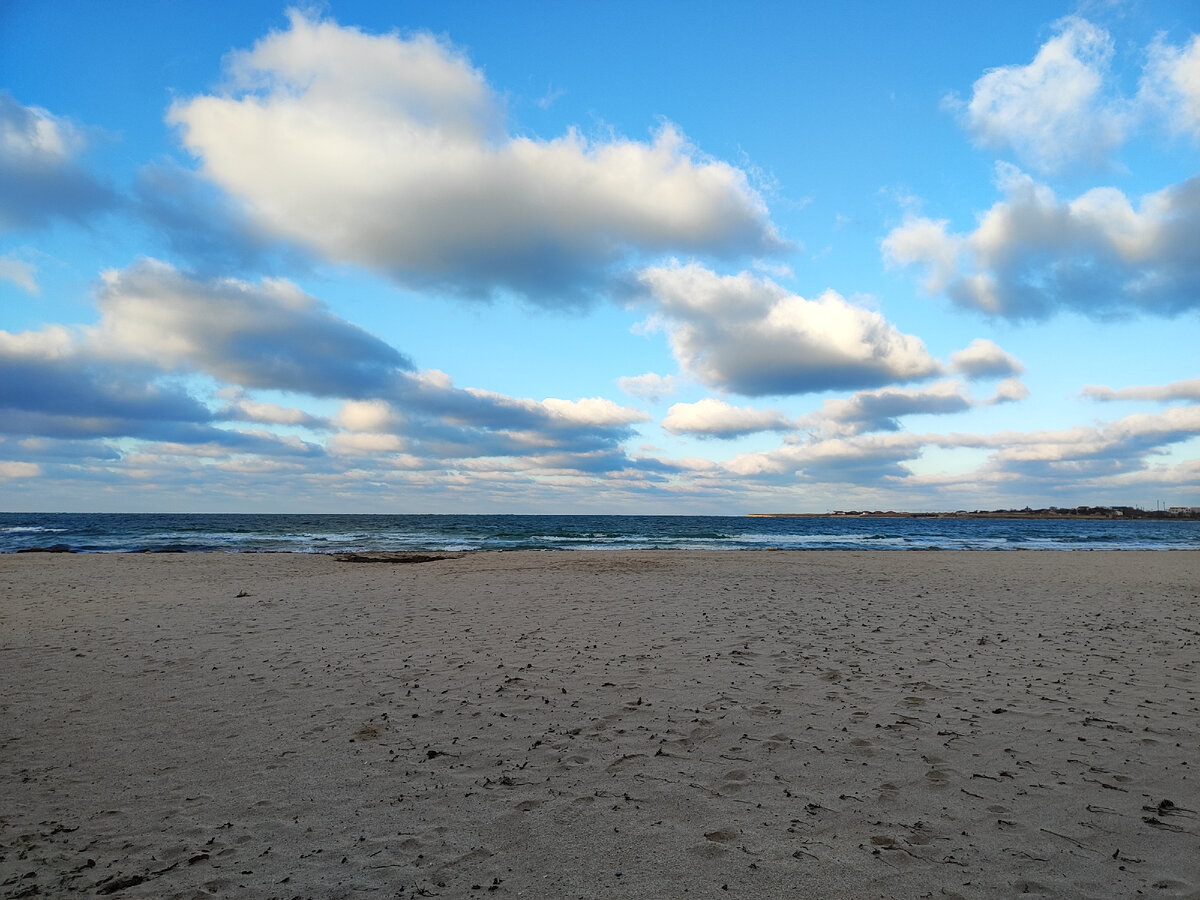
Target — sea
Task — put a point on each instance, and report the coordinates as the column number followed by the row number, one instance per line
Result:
column 289, row 533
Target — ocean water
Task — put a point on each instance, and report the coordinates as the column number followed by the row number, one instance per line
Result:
column 120, row 532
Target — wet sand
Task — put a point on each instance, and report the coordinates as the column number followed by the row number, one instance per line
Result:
column 710, row 724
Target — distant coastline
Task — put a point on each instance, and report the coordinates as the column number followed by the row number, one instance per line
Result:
column 1079, row 512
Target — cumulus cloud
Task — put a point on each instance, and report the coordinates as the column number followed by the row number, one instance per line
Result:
column 433, row 394
column 1010, row 390
column 716, row 418
column 244, row 409
column 746, row 334
column 393, row 152
column 592, row 412
column 445, row 421
column 1033, row 254
column 265, row 335
column 983, row 359
column 1055, row 110
column 425, row 421
column 880, row 410
column 368, row 416
column 40, row 176
column 858, row 459
column 367, row 443
column 1176, row 390
column 1171, row 84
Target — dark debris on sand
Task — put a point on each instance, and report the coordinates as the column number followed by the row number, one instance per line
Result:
column 392, row 557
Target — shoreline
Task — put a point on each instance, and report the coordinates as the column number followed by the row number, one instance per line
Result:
column 835, row 723
column 65, row 550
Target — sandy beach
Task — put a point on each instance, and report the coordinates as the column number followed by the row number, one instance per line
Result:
column 591, row 724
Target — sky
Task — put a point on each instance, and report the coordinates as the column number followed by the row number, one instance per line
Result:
column 651, row 257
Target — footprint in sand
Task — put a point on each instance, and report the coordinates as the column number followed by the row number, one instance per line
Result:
column 1030, row 887
column 368, row 732
column 722, row 835
column 919, row 834
column 735, row 780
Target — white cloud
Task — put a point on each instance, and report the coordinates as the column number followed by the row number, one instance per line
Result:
column 1171, row 84
column 716, row 418
column 880, row 410
column 746, row 334
column 366, row 443
column 1010, row 390
column 983, row 359
column 392, row 152
column 859, row 459
column 52, row 343
column 246, row 410
column 21, row 273
column 14, row 469
column 593, row 412
column 1176, row 390
column 1053, row 111
column 368, row 415
column 649, row 386
column 1032, row 253
column 442, row 421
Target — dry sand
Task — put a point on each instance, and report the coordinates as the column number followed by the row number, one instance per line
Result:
column 749, row 724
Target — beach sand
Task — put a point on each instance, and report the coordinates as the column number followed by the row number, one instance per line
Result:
column 590, row 724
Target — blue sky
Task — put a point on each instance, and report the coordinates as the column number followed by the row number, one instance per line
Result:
column 651, row 257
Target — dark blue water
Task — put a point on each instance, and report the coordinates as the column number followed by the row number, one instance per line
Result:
column 342, row 533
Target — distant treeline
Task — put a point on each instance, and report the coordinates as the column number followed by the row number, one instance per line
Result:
column 1050, row 512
